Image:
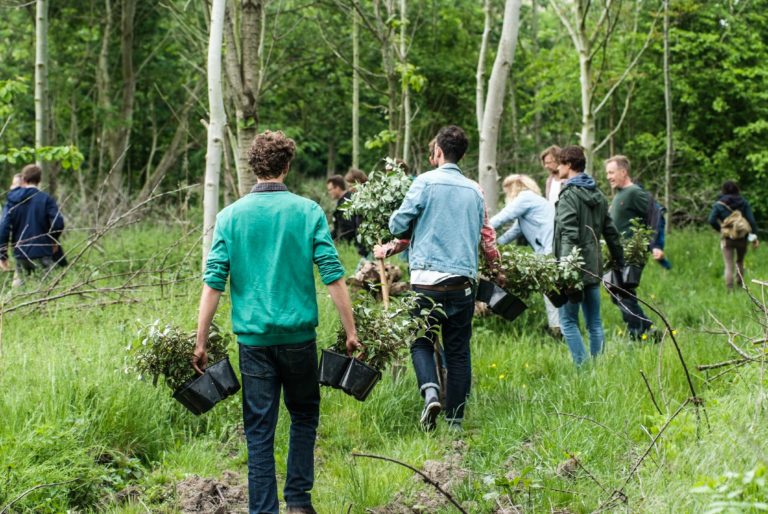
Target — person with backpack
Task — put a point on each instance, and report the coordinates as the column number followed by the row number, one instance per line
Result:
column 732, row 216
column 630, row 201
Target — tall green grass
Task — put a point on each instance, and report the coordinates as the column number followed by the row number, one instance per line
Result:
column 68, row 410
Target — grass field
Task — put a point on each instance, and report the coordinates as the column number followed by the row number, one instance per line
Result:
column 70, row 415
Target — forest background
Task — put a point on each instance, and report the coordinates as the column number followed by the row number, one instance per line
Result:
column 126, row 86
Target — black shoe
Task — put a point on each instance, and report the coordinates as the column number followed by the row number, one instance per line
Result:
column 429, row 415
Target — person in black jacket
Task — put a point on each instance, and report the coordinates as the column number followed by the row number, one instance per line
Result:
column 343, row 229
column 729, row 201
column 32, row 224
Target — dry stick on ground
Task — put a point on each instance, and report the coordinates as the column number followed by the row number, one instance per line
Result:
column 6, row 509
column 650, row 391
column 590, row 475
column 619, row 495
column 418, row 472
column 587, row 418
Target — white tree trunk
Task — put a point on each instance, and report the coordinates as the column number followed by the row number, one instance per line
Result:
column 494, row 105
column 587, row 115
column 668, row 110
column 355, row 89
column 480, row 74
column 41, row 76
column 406, row 88
column 216, row 126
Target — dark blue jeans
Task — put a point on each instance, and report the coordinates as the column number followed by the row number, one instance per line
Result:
column 266, row 370
column 632, row 314
column 456, row 327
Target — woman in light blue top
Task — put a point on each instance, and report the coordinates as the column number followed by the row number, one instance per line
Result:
column 532, row 216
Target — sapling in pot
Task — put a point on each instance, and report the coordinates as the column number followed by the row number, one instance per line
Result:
column 386, row 335
column 167, row 351
column 636, row 252
column 375, row 201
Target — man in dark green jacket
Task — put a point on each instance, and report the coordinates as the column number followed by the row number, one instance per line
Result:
column 267, row 244
column 581, row 219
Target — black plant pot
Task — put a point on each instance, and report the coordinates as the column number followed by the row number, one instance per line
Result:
column 485, row 290
column 198, row 394
column 631, row 274
column 224, row 377
column 557, row 299
column 501, row 302
column 359, row 379
column 332, row 368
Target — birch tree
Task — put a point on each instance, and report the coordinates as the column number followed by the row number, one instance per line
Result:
column 494, row 104
column 216, row 126
column 244, row 30
column 41, row 77
column 355, row 89
column 591, row 30
column 667, row 109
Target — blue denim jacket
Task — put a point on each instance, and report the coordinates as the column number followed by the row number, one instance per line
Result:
column 445, row 210
column 533, row 216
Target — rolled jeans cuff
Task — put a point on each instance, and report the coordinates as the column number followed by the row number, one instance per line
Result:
column 426, row 386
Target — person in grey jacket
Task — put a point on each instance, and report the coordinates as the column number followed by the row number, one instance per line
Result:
column 532, row 216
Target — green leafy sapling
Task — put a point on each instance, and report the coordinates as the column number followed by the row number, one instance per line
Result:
column 386, row 334
column 167, row 351
column 636, row 246
column 376, row 200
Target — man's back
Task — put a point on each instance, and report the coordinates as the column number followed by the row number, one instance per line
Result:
column 32, row 222
column 268, row 242
column 445, row 211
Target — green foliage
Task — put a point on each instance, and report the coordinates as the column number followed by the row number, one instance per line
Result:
column 736, row 492
column 69, row 157
column 528, row 273
column 375, row 201
column 636, row 249
column 167, row 351
column 386, row 334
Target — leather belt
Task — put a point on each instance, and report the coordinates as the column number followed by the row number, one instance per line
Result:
column 442, row 288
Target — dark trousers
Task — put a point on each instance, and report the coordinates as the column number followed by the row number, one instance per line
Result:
column 265, row 371
column 455, row 323
column 631, row 312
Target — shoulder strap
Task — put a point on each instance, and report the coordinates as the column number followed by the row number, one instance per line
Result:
column 726, row 205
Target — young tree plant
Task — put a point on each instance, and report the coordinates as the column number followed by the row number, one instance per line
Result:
column 167, row 351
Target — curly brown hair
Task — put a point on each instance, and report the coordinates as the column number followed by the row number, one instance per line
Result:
column 271, row 153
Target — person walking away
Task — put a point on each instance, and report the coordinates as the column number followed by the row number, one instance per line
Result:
column 444, row 212
column 267, row 243
column 732, row 216
column 549, row 161
column 581, row 219
column 532, row 216
column 630, row 202
column 32, row 224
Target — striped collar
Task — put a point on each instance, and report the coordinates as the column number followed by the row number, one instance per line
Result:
column 268, row 187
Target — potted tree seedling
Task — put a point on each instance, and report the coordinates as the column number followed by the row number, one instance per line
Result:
column 566, row 277
column 374, row 202
column 386, row 334
column 522, row 271
column 636, row 252
column 167, row 350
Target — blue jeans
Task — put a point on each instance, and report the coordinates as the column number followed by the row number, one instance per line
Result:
column 569, row 324
column 265, row 371
column 632, row 314
column 456, row 325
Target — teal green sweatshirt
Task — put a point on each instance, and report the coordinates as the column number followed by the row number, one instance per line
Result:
column 267, row 243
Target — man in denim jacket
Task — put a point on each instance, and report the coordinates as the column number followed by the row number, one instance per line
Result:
column 443, row 212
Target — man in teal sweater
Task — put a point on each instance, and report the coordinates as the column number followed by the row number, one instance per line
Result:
column 267, row 243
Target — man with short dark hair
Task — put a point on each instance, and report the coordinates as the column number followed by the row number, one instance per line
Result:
column 444, row 213
column 32, row 222
column 629, row 202
column 344, row 229
column 581, row 219
column 267, row 243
